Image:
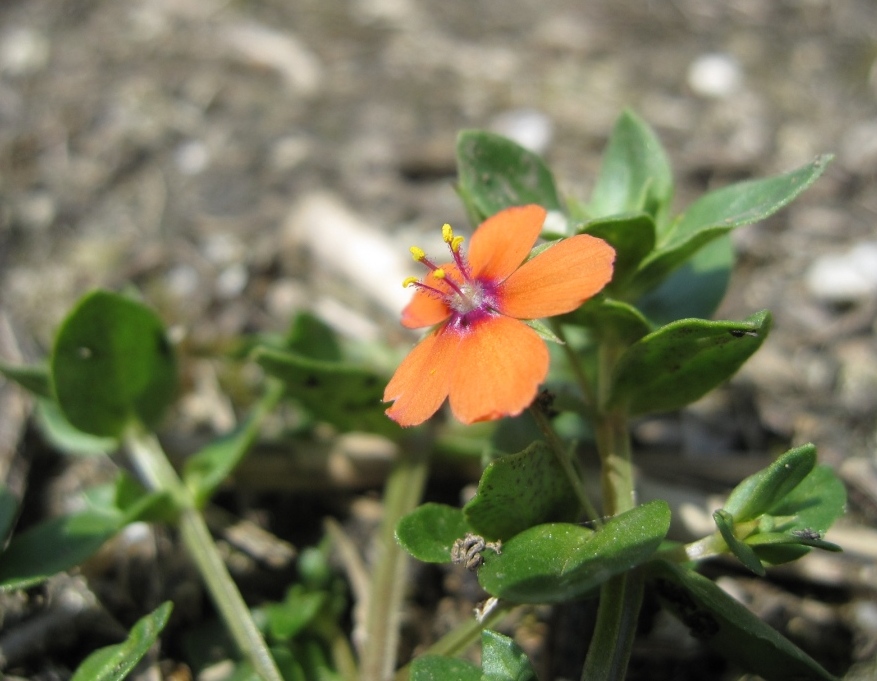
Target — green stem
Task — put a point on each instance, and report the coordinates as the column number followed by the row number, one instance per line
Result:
column 460, row 638
column 402, row 493
column 575, row 364
column 151, row 461
column 620, row 596
column 563, row 457
column 617, row 614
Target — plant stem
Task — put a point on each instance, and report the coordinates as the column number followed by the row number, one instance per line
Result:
column 151, row 461
column 575, row 364
column 621, row 595
column 617, row 615
column 563, row 457
column 460, row 638
column 402, row 493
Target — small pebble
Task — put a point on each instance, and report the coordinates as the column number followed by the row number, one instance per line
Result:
column 530, row 128
column 845, row 277
column 715, row 76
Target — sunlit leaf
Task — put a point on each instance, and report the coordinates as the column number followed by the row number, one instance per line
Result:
column 430, row 530
column 635, row 175
column 503, row 660
column 495, row 173
column 682, row 361
column 519, row 491
column 438, row 668
column 558, row 562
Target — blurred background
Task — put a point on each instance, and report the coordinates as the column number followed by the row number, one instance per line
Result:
column 239, row 161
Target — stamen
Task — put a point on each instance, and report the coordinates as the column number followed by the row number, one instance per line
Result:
column 420, row 256
column 438, row 273
column 456, row 242
column 410, row 281
column 447, row 233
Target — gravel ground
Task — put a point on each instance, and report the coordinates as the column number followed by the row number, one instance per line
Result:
column 239, row 161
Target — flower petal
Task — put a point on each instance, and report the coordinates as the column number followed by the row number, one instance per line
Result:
column 420, row 384
column 497, row 370
column 559, row 279
column 502, row 241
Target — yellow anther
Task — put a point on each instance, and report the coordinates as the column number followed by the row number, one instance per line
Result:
column 438, row 273
column 409, row 281
column 418, row 253
column 455, row 243
column 447, row 233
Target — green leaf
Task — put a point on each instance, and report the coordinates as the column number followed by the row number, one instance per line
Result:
column 438, row 668
column 114, row 663
column 612, row 319
column 205, row 471
column 729, row 628
column 112, row 365
column 430, row 530
column 298, row 609
column 682, row 361
column 558, row 562
column 696, row 289
column 745, row 554
column 519, row 491
column 310, row 336
column 815, row 503
column 635, row 175
column 54, row 546
column 495, row 173
column 503, row 660
column 632, row 235
column 761, row 492
column 64, row 437
column 720, row 211
column 33, row 378
column 346, row 395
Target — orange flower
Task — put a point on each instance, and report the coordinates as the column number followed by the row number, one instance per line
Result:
column 481, row 356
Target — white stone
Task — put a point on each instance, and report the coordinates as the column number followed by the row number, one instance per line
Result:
column 530, row 128
column 280, row 51
column 845, row 277
column 342, row 242
column 715, row 75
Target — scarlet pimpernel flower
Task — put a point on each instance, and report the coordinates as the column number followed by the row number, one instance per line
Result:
column 481, row 355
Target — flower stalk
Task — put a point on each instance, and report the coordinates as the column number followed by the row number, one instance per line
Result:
column 159, row 475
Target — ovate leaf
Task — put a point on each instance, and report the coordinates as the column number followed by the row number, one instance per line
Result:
column 430, row 530
column 635, row 175
column 720, row 211
column 557, row 562
column 696, row 289
column 346, row 395
column 762, row 491
column 632, row 235
column 519, row 491
column 503, row 660
column 682, row 361
column 495, row 173
column 112, row 365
